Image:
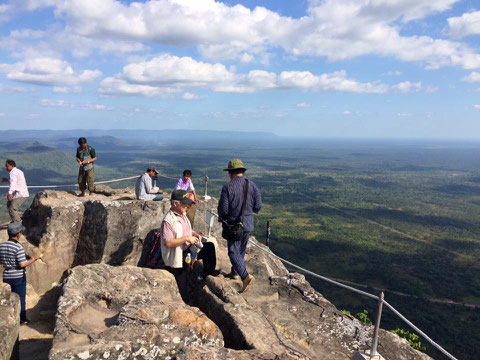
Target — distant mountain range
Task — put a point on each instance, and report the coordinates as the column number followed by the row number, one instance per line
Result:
column 63, row 139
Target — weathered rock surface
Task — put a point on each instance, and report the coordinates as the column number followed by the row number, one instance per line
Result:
column 280, row 317
column 127, row 312
column 109, row 227
column 9, row 323
column 283, row 315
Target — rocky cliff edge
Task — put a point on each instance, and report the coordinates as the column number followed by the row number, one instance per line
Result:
column 109, row 307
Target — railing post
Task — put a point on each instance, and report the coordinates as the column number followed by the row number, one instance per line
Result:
column 206, row 197
column 267, row 235
column 373, row 352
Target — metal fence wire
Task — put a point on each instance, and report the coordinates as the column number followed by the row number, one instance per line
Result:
column 379, row 299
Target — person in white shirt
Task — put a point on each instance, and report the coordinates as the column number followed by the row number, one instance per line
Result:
column 17, row 192
column 144, row 189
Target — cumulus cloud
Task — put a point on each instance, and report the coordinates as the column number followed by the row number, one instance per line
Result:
column 190, row 96
column 476, row 106
column 66, row 90
column 97, row 107
column 336, row 29
column 467, row 24
column 15, row 7
column 47, row 71
column 472, row 77
column 54, row 103
column 15, row 89
column 167, row 74
column 67, row 104
column 407, row 86
column 303, row 105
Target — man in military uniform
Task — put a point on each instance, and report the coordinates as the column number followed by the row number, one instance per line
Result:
column 86, row 156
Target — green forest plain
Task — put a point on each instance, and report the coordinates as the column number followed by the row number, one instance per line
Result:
column 395, row 215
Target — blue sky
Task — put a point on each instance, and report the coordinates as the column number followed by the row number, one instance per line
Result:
column 332, row 68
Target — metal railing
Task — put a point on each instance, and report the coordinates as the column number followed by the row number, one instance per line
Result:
column 380, row 299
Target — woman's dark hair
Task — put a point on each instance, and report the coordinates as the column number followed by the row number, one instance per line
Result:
column 82, row 141
column 187, row 173
column 11, row 163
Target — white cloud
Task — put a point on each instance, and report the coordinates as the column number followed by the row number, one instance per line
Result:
column 16, row 7
column 54, row 103
column 467, row 24
column 47, row 71
column 336, row 29
column 404, row 114
column 394, row 73
column 476, row 106
column 190, row 96
column 167, row 74
column 347, row 112
column 303, row 105
column 2, row 114
column 15, row 89
column 66, row 90
column 66, row 104
column 407, row 86
column 97, row 107
column 473, row 77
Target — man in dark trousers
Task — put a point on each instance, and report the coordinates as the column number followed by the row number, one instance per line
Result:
column 86, row 156
column 230, row 210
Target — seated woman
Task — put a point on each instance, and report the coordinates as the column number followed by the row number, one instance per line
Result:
column 185, row 183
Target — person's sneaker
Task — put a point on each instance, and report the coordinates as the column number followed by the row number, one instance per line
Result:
column 24, row 322
column 249, row 280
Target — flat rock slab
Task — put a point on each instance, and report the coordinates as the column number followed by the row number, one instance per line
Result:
column 127, row 312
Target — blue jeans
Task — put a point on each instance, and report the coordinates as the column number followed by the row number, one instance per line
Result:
column 236, row 253
column 158, row 197
column 19, row 286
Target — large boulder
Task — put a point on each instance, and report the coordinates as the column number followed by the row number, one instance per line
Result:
column 109, row 227
column 282, row 314
column 9, row 322
column 72, row 231
column 127, row 312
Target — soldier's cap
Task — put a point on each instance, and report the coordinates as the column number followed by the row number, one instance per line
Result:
column 14, row 228
column 152, row 168
column 235, row 164
column 183, row 196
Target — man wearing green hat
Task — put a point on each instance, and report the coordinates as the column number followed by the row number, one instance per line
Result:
column 230, row 212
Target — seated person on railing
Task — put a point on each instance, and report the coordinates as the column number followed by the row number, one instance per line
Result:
column 144, row 189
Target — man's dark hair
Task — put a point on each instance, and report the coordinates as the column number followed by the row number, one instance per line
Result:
column 187, row 172
column 11, row 163
column 82, row 141
column 236, row 171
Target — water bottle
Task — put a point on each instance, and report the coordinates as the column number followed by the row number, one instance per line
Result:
column 188, row 259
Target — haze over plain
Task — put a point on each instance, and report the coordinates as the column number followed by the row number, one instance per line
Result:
column 348, row 68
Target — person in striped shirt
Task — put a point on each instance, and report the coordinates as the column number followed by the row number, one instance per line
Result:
column 14, row 261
